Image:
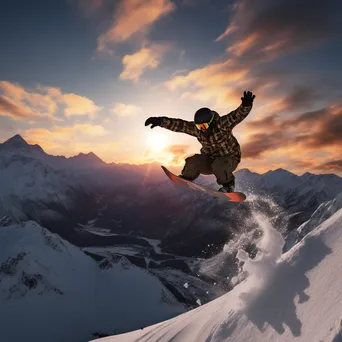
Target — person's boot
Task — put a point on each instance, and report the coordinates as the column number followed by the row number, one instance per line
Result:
column 229, row 187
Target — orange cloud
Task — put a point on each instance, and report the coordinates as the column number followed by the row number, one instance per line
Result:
column 197, row 77
column 16, row 111
column 134, row 17
column 145, row 58
column 122, row 109
column 55, row 137
column 179, row 153
column 42, row 102
column 244, row 45
column 14, row 91
column 65, row 133
column 73, row 140
column 38, row 99
column 215, row 83
column 19, row 103
column 79, row 105
column 226, row 33
column 45, row 145
column 90, row 130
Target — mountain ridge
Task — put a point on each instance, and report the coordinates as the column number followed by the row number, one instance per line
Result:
column 18, row 141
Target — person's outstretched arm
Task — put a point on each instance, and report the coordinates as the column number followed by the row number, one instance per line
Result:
column 175, row 125
column 236, row 116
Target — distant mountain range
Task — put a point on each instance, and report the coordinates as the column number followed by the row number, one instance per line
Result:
column 60, row 193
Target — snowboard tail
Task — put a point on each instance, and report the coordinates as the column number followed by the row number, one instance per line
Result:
column 227, row 196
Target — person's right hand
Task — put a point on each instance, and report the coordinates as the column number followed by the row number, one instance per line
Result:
column 153, row 121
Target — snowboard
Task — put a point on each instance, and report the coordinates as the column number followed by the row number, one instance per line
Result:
column 227, row 196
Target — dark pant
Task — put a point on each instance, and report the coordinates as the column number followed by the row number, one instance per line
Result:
column 221, row 167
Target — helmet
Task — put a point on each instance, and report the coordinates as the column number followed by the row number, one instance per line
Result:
column 203, row 115
column 203, row 119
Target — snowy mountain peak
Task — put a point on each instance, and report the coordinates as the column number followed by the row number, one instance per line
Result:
column 307, row 174
column 281, row 172
column 88, row 158
column 246, row 172
column 280, row 179
column 17, row 144
column 16, row 141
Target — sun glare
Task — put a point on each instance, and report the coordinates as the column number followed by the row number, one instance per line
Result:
column 156, row 142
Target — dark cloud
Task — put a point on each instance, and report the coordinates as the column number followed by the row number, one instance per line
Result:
column 271, row 27
column 331, row 165
column 296, row 89
column 311, row 130
column 313, row 117
column 263, row 142
column 267, row 123
column 275, row 122
column 328, row 129
column 300, row 97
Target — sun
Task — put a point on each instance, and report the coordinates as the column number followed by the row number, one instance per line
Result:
column 156, row 142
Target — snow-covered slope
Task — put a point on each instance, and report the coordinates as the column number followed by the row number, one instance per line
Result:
column 289, row 297
column 51, row 291
column 173, row 271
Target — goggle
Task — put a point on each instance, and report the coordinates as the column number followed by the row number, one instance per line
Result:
column 205, row 126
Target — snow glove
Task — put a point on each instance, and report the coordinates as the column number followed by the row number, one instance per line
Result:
column 247, row 99
column 154, row 121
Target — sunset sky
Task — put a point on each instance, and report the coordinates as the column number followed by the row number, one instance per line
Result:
column 84, row 75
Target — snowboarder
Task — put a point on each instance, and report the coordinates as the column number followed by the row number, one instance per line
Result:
column 220, row 152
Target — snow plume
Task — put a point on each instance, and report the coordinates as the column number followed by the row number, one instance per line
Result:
column 262, row 218
column 259, row 270
column 256, row 237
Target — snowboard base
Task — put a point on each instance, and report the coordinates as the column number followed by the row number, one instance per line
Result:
column 227, row 196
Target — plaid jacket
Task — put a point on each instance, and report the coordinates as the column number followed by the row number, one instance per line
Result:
column 222, row 141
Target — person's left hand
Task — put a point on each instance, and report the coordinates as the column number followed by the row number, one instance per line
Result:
column 247, row 99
